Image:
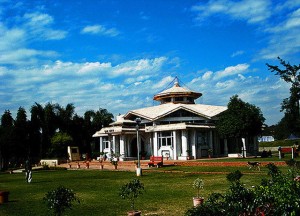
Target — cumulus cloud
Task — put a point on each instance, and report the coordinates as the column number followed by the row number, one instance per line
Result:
column 135, row 67
column 231, row 70
column 207, row 75
column 266, row 93
column 163, row 83
column 100, row 30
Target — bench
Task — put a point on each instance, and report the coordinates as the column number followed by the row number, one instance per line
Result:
column 155, row 161
column 286, row 150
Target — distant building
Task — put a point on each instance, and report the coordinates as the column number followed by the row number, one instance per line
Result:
column 177, row 128
column 266, row 139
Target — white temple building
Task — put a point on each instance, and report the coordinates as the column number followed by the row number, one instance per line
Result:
column 177, row 129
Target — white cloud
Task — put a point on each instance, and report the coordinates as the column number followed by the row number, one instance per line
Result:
column 100, row 30
column 163, row 83
column 266, row 93
column 37, row 25
column 248, row 10
column 31, row 27
column 93, row 66
column 237, row 53
column 207, row 75
column 137, row 67
column 231, row 70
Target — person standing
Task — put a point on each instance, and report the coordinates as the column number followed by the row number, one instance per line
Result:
column 28, row 171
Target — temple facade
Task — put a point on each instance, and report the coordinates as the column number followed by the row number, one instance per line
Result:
column 177, row 129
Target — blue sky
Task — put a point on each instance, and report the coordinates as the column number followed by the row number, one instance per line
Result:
column 117, row 54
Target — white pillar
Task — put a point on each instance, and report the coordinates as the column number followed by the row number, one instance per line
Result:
column 155, row 144
column 101, row 145
column 122, row 146
column 194, row 144
column 109, row 145
column 114, row 144
column 175, row 145
column 184, row 143
column 244, row 152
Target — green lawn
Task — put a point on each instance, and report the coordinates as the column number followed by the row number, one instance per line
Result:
column 168, row 193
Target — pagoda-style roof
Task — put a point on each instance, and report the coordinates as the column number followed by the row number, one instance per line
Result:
column 157, row 112
column 177, row 94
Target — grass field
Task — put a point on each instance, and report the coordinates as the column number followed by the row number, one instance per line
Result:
column 167, row 192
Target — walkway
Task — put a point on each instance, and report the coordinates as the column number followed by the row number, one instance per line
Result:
column 130, row 165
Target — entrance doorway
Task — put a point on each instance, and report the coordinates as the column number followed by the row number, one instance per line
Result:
column 133, row 148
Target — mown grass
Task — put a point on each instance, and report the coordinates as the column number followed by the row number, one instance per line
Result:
column 279, row 143
column 166, row 193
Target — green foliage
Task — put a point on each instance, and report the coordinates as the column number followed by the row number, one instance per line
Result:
column 290, row 74
column 131, row 191
column 273, row 170
column 276, row 196
column 60, row 199
column 234, row 176
column 240, row 119
column 198, row 184
column 59, row 143
column 293, row 164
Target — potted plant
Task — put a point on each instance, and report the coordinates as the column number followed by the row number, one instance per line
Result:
column 131, row 191
column 103, row 155
column 101, row 163
column 4, row 196
column 210, row 152
column 188, row 152
column 115, row 163
column 114, row 159
column 198, row 185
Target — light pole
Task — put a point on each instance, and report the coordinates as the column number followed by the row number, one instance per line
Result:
column 139, row 169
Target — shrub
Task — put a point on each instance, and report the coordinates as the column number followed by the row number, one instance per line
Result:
column 131, row 191
column 278, row 195
column 60, row 199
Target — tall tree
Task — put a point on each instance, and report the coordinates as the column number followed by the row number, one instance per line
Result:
column 6, row 139
column 21, row 134
column 240, row 119
column 65, row 117
column 44, row 122
column 94, row 121
column 291, row 107
column 59, row 143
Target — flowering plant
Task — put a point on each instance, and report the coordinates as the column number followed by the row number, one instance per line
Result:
column 198, row 184
column 131, row 191
column 60, row 199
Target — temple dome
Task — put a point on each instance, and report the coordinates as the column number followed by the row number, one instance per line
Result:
column 177, row 94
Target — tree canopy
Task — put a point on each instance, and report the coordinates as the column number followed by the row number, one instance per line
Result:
column 240, row 119
column 48, row 131
column 291, row 107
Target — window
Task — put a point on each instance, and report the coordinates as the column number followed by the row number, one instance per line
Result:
column 179, row 99
column 201, row 138
column 165, row 138
column 105, row 142
column 74, row 150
